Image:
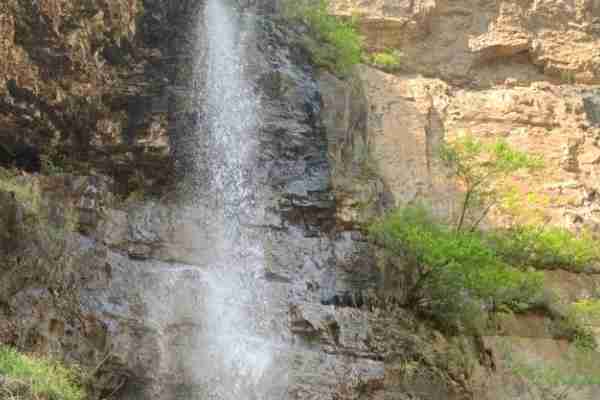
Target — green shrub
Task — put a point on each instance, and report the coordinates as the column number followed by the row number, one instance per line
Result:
column 524, row 207
column 546, row 247
column 579, row 320
column 479, row 167
column 388, row 60
column 53, row 164
column 337, row 44
column 586, row 311
column 36, row 378
column 24, row 190
column 453, row 269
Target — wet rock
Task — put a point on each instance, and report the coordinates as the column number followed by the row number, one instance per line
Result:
column 139, row 251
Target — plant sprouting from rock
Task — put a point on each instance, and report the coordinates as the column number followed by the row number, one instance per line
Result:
column 546, row 247
column 480, row 167
column 336, row 43
column 449, row 271
column 29, row 377
column 389, row 60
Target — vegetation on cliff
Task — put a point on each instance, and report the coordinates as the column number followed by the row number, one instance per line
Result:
column 389, row 60
column 36, row 236
column 546, row 247
column 455, row 269
column 576, row 369
column 480, row 169
column 452, row 271
column 24, row 377
column 335, row 43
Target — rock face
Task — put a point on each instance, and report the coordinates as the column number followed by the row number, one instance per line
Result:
column 409, row 116
column 87, row 84
column 465, row 41
column 139, row 275
column 525, row 72
column 107, row 90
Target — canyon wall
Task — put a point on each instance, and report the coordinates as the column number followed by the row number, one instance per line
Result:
column 527, row 72
column 524, row 71
column 95, row 96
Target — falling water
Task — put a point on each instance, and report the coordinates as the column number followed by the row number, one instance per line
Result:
column 233, row 357
column 230, row 109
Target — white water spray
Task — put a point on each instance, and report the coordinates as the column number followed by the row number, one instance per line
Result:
column 233, row 357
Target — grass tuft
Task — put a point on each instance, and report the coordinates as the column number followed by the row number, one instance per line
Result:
column 30, row 377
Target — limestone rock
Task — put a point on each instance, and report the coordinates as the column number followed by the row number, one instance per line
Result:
column 404, row 128
column 458, row 40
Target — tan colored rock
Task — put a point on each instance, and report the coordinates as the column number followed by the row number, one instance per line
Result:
column 358, row 189
column 404, row 128
column 543, row 119
column 456, row 40
column 409, row 115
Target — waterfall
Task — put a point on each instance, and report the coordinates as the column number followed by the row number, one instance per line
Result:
column 230, row 108
column 233, row 356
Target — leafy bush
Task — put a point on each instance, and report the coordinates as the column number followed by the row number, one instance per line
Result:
column 586, row 311
column 546, row 247
column 26, row 377
column 53, row 164
column 578, row 323
column 479, row 167
column 452, row 268
column 337, row 44
column 25, row 191
column 524, row 207
column 388, row 61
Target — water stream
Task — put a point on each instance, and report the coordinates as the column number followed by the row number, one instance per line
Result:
column 234, row 354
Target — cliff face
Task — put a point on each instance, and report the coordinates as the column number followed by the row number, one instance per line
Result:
column 96, row 94
column 524, row 71
column 484, row 42
column 86, row 84
column 128, row 298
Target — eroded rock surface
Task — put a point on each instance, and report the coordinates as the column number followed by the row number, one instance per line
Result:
column 527, row 72
column 114, row 89
column 145, row 283
column 481, row 41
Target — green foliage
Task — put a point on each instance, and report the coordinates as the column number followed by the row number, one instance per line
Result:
column 389, row 61
column 29, row 377
column 581, row 316
column 53, row 163
column 587, row 311
column 524, row 208
column 454, row 269
column 546, row 247
column 337, row 44
column 25, row 191
column 479, row 167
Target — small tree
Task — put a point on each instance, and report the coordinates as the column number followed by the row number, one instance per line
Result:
column 546, row 247
column 451, row 270
column 479, row 167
